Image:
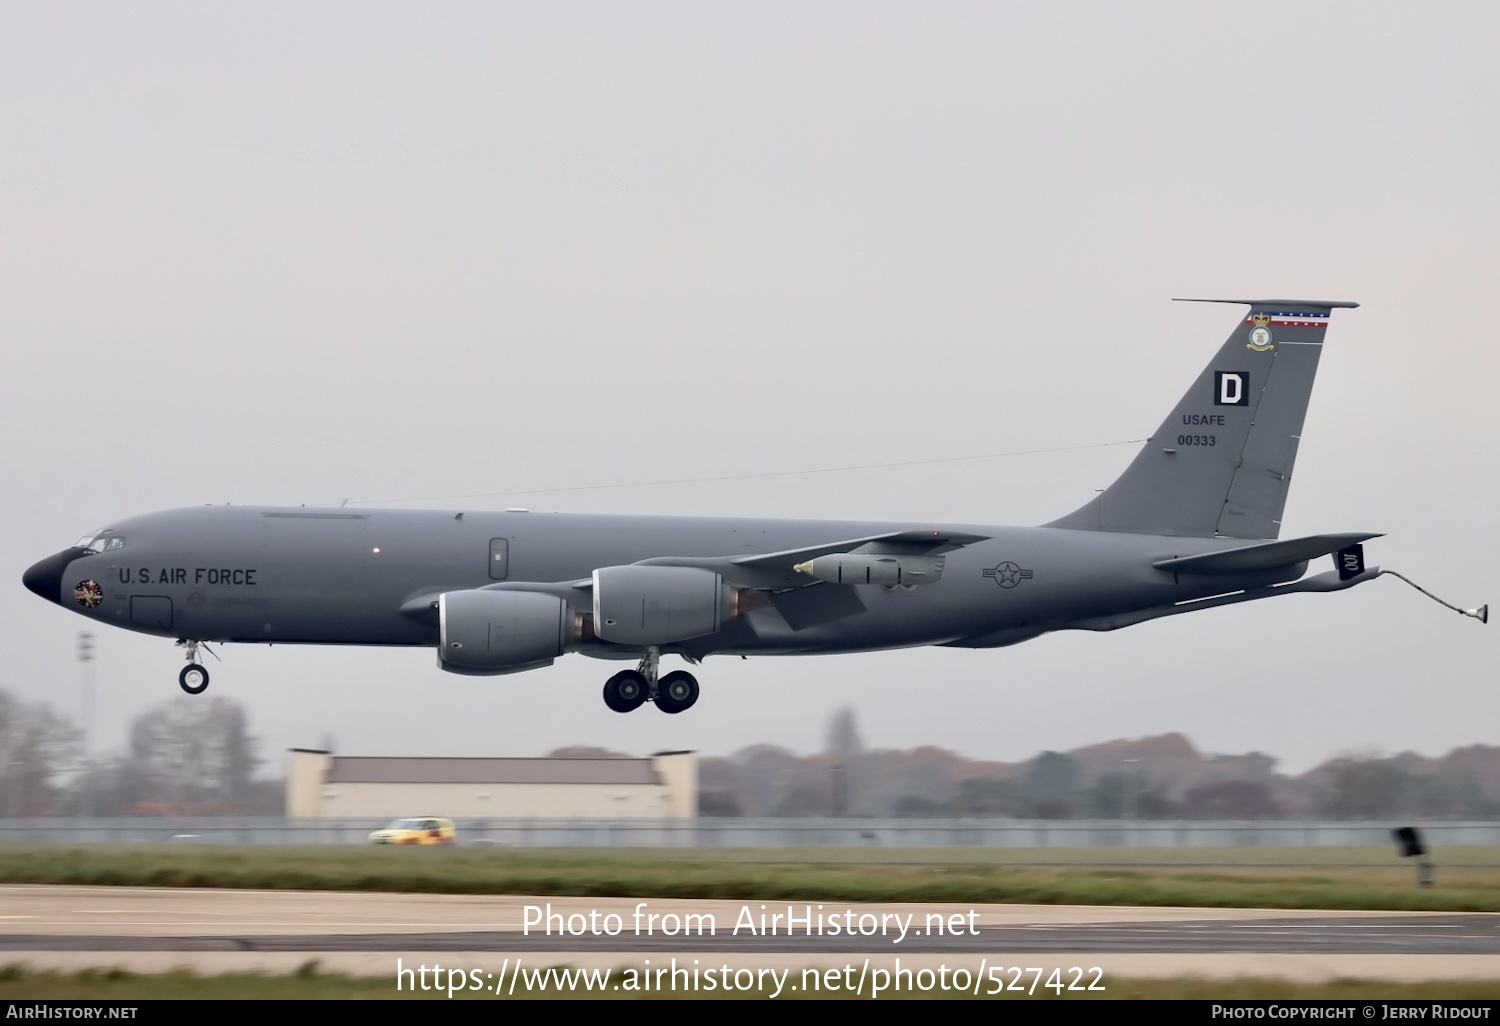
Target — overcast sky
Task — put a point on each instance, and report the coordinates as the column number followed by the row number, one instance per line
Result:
column 296, row 253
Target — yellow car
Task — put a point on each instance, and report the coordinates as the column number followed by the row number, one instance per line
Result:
column 423, row 830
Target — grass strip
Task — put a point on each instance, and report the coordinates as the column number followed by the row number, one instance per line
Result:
column 717, row 874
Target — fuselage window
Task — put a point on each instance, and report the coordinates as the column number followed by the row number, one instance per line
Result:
column 117, row 542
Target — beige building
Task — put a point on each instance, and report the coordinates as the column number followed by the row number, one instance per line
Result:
column 324, row 786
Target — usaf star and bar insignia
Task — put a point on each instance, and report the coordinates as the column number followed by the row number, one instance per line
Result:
column 1008, row 574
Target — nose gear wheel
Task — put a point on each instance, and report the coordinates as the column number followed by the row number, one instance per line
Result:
column 194, row 677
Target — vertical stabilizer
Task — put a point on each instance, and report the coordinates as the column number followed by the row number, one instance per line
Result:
column 1221, row 463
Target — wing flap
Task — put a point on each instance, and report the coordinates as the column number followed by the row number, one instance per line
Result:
column 817, row 604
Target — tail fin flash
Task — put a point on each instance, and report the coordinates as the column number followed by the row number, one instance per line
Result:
column 1220, row 465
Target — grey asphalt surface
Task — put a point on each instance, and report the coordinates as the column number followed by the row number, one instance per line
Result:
column 159, row 929
column 1445, row 934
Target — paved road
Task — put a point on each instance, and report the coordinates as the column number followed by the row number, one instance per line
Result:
column 1428, row 935
column 211, row 930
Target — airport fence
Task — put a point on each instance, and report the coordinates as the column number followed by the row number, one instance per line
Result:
column 756, row 833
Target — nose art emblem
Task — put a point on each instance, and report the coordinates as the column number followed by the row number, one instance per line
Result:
column 88, row 594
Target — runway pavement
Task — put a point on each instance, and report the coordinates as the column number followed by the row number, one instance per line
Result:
column 154, row 929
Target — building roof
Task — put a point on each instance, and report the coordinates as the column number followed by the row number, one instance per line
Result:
column 392, row 770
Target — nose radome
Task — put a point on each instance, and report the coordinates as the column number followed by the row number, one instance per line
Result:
column 45, row 578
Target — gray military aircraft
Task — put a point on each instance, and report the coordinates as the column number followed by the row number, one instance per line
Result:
column 1191, row 524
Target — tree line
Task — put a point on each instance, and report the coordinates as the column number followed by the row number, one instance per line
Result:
column 199, row 758
column 181, row 759
column 1163, row 777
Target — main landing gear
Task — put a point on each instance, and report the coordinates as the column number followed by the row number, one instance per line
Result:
column 193, row 678
column 630, row 689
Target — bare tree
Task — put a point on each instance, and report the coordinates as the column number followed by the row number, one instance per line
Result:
column 37, row 748
column 191, row 757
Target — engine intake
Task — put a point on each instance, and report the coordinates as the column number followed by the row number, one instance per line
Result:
column 483, row 632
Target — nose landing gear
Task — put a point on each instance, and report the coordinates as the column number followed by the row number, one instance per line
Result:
column 630, row 689
column 194, row 677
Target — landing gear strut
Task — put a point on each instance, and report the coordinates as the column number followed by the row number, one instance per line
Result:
column 630, row 689
column 193, row 678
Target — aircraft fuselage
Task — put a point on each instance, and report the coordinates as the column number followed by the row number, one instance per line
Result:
column 297, row 575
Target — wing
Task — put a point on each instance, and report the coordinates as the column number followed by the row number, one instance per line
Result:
column 772, row 571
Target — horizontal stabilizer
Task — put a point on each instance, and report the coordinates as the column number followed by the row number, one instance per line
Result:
column 1266, row 556
column 1332, row 304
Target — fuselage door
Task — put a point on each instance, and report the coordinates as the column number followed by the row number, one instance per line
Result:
column 153, row 612
column 499, row 558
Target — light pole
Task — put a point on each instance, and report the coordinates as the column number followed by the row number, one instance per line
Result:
column 12, row 787
column 86, row 673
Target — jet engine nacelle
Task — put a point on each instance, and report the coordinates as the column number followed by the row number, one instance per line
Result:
column 484, row 632
column 656, row 605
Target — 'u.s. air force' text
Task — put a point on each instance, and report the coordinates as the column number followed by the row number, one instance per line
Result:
column 749, row 921
column 187, row 575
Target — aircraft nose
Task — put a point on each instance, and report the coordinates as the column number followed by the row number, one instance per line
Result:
column 45, row 578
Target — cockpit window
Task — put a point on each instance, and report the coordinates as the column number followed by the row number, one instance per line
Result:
column 100, row 542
